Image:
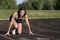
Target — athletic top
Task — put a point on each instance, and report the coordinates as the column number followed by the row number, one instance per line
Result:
column 17, row 19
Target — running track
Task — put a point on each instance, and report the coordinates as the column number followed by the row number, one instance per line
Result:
column 45, row 29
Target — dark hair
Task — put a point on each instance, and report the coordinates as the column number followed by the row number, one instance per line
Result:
column 22, row 8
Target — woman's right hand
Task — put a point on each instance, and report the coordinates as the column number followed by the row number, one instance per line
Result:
column 7, row 34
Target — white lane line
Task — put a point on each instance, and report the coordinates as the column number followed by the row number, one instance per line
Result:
column 6, row 37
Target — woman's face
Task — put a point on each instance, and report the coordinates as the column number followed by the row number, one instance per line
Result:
column 22, row 11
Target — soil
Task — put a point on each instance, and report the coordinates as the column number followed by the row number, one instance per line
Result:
column 44, row 28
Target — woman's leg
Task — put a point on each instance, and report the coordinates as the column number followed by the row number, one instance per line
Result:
column 14, row 28
column 15, row 24
column 19, row 28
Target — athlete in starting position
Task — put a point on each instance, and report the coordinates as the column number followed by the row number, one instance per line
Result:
column 16, row 20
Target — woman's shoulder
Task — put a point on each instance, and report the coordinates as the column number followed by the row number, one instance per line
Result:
column 15, row 12
column 26, row 16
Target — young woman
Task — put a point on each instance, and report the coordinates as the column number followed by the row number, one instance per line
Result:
column 16, row 20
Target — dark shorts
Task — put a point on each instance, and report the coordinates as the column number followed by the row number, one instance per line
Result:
column 18, row 20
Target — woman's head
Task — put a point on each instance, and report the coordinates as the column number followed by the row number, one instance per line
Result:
column 19, row 11
column 22, row 8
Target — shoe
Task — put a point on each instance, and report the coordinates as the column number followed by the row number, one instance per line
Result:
column 14, row 31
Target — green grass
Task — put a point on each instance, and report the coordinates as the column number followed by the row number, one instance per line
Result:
column 4, row 14
column 44, row 13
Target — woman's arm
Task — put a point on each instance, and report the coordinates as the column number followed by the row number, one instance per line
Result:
column 10, row 25
column 27, row 22
column 28, row 25
column 12, row 20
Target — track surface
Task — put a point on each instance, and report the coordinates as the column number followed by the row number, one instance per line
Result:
column 46, row 29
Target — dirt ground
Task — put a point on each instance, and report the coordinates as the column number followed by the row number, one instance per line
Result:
column 45, row 28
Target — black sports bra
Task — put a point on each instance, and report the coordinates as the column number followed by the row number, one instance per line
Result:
column 17, row 17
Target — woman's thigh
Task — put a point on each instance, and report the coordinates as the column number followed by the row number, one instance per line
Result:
column 20, row 28
column 15, row 24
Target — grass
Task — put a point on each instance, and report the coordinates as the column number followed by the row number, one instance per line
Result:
column 4, row 14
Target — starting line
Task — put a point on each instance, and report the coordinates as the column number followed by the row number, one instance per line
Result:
column 23, row 38
column 8, row 38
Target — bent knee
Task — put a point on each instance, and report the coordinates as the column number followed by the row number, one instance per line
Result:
column 15, row 26
column 19, row 32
